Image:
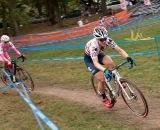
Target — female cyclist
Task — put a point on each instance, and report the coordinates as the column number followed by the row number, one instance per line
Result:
column 5, row 45
column 94, row 58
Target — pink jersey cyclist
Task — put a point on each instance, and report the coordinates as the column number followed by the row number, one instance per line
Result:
column 5, row 45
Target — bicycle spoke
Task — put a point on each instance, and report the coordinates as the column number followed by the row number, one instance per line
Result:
column 26, row 78
column 134, row 98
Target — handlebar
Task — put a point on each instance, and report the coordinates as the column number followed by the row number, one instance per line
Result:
column 16, row 59
column 119, row 65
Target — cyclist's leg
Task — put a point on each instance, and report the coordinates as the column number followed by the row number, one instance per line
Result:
column 103, row 60
column 97, row 73
column 8, row 68
column 5, row 58
column 101, row 88
column 101, row 82
column 107, row 60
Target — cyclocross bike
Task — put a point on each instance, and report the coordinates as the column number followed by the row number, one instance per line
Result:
column 130, row 93
column 18, row 74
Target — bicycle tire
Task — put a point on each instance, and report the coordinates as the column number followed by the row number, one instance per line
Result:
column 23, row 75
column 4, row 79
column 94, row 83
column 138, row 104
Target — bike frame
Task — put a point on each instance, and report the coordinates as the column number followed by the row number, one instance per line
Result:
column 126, row 88
column 117, row 79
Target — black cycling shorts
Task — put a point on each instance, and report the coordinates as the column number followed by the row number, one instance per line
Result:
column 89, row 63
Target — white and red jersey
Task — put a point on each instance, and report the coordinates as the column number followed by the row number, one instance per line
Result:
column 4, row 47
column 92, row 47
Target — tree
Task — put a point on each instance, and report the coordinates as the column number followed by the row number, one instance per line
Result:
column 12, row 16
column 38, row 4
column 53, row 11
column 103, row 6
column 4, row 19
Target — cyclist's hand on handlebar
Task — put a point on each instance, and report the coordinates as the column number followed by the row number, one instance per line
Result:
column 131, row 62
column 108, row 74
column 24, row 56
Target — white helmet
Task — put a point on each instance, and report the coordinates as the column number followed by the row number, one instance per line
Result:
column 100, row 32
column 5, row 38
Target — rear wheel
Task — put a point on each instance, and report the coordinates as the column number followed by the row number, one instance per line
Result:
column 25, row 77
column 134, row 98
column 5, row 80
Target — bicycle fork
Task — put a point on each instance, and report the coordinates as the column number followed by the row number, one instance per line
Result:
column 117, row 76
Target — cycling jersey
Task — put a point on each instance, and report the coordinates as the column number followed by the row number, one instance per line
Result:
column 92, row 48
column 4, row 56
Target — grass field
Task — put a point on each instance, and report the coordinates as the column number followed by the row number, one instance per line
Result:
column 72, row 74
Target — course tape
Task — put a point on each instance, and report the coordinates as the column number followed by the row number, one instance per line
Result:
column 87, row 28
column 37, row 110
column 55, row 41
column 157, row 36
column 72, row 45
column 90, row 34
column 52, row 47
column 80, row 57
column 123, row 16
column 25, row 96
column 8, row 86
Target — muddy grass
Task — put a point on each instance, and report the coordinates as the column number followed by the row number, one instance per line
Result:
column 120, row 110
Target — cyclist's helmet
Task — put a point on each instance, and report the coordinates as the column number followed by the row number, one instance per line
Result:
column 5, row 38
column 100, row 32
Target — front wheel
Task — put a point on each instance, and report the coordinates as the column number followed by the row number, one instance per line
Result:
column 134, row 98
column 25, row 77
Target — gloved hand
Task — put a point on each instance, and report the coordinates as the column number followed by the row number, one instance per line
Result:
column 24, row 56
column 131, row 62
column 108, row 74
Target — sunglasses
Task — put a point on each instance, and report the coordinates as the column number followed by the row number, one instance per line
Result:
column 6, row 41
column 102, row 40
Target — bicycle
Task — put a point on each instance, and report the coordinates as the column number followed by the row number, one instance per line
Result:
column 18, row 74
column 130, row 93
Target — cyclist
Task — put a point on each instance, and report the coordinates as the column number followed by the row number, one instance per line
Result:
column 104, row 22
column 114, row 21
column 5, row 45
column 94, row 58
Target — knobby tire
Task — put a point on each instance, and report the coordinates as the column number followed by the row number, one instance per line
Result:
column 138, row 97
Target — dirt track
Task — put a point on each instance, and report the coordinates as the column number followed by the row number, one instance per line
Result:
column 119, row 112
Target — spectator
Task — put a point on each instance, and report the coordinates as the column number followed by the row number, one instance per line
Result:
column 114, row 21
column 80, row 22
column 104, row 22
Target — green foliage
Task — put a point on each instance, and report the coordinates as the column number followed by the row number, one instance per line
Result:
column 73, row 4
column 14, row 14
